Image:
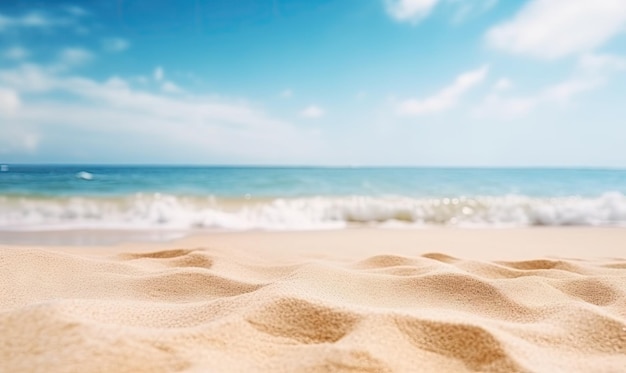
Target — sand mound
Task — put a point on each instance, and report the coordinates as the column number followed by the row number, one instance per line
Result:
column 202, row 309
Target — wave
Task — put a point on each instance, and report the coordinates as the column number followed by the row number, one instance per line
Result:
column 149, row 211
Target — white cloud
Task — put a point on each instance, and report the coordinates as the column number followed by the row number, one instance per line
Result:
column 33, row 20
column 592, row 72
column 76, row 10
column 115, row 44
column 602, row 62
column 14, row 137
column 286, row 93
column 15, row 53
column 313, row 111
column 564, row 91
column 74, row 56
column 9, row 101
column 197, row 124
column 159, row 73
column 28, row 78
column 470, row 8
column 170, row 87
column 445, row 98
column 141, row 79
column 503, row 84
column 17, row 139
column 413, row 11
column 551, row 29
column 496, row 105
column 499, row 105
column 409, row 10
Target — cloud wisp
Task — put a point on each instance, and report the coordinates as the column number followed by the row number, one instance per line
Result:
column 16, row 52
column 550, row 29
column 470, row 8
column 9, row 101
column 74, row 56
column 414, row 11
column 446, row 98
column 203, row 124
column 35, row 20
column 503, row 84
column 591, row 72
column 312, row 112
column 158, row 73
column 409, row 10
column 503, row 106
column 114, row 45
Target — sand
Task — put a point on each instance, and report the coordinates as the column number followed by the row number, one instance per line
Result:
column 362, row 300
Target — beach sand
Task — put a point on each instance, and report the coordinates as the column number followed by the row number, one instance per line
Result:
column 356, row 300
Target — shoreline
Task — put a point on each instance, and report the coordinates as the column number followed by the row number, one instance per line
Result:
column 472, row 243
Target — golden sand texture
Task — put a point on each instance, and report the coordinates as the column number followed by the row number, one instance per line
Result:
column 224, row 309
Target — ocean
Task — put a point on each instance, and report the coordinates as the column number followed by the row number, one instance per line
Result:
column 65, row 197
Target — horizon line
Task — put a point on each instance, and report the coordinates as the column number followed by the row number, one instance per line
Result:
column 343, row 166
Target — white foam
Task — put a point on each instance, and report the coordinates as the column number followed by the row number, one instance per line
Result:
column 84, row 175
column 144, row 211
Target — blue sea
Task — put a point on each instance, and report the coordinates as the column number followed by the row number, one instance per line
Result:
column 62, row 197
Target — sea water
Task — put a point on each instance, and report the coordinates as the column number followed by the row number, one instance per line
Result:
column 60, row 197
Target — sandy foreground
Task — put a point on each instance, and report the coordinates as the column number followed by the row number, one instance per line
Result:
column 359, row 300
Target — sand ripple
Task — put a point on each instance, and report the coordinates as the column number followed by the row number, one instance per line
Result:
column 195, row 309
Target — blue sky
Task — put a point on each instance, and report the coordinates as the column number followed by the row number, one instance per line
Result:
column 344, row 82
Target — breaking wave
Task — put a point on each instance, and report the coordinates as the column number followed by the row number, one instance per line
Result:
column 148, row 211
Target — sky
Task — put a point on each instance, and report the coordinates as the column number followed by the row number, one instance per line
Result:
column 476, row 83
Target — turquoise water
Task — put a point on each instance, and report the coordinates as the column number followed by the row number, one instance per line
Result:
column 299, row 182
column 61, row 197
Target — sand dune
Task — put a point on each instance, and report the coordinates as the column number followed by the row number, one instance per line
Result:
column 202, row 305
